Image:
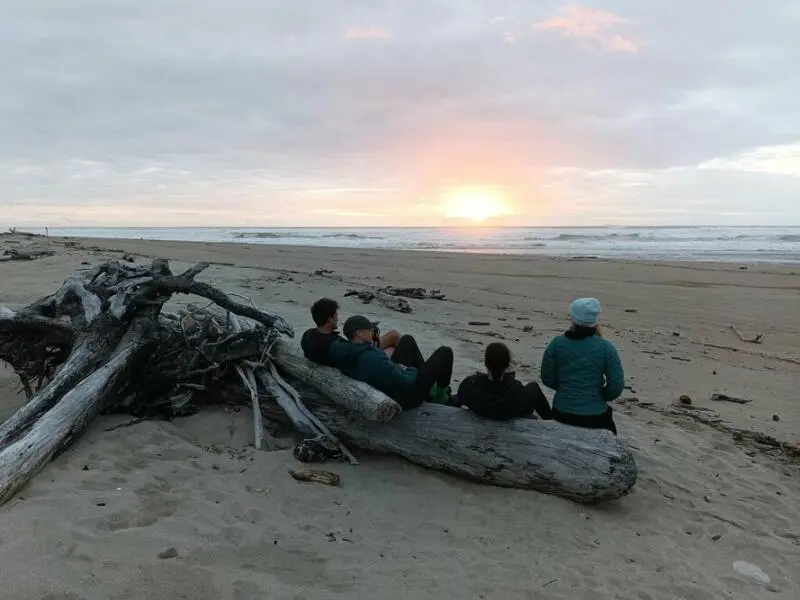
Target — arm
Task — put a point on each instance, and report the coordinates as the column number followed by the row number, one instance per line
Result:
column 615, row 376
column 549, row 372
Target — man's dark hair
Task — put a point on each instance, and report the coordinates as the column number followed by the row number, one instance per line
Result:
column 497, row 359
column 322, row 310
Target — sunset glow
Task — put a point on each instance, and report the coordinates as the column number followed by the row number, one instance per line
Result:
column 475, row 203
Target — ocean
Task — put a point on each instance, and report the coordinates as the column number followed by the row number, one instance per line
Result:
column 730, row 244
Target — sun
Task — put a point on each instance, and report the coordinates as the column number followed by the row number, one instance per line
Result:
column 475, row 203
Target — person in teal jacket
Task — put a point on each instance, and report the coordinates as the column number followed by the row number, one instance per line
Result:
column 584, row 369
column 409, row 386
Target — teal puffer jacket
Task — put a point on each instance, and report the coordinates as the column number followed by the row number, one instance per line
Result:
column 371, row 365
column 585, row 373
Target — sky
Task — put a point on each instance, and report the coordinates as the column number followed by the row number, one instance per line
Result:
column 399, row 113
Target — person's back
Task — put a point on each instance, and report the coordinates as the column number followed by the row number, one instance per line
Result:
column 316, row 342
column 585, row 372
column 497, row 394
column 584, row 369
column 316, row 346
column 498, row 400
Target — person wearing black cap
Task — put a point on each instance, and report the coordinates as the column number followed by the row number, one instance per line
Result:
column 317, row 341
column 409, row 386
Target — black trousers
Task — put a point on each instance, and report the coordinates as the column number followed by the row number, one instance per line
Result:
column 437, row 369
column 604, row 421
column 407, row 353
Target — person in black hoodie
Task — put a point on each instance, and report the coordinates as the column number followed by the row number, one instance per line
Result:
column 316, row 342
column 497, row 395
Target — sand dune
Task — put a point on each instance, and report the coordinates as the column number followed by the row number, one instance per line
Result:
column 93, row 523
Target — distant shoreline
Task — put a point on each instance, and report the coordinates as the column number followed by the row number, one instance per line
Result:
column 738, row 245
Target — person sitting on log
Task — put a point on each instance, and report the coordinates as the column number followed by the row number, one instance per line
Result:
column 584, row 369
column 408, row 354
column 361, row 359
column 316, row 342
column 497, row 394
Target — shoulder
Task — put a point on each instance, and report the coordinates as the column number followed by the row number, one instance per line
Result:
column 609, row 347
column 474, row 379
column 316, row 335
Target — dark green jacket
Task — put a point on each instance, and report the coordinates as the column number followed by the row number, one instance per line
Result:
column 371, row 365
column 585, row 373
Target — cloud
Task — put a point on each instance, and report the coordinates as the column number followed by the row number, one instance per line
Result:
column 591, row 25
column 619, row 43
column 367, row 33
column 193, row 112
column 776, row 160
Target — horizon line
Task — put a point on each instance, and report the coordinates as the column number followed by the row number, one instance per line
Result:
column 470, row 226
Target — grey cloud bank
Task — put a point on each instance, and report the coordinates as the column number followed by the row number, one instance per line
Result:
column 156, row 112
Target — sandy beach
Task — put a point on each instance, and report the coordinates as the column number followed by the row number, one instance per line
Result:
column 718, row 482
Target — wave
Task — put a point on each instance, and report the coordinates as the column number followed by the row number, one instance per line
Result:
column 573, row 237
column 274, row 235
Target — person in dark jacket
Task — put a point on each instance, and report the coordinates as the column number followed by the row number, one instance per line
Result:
column 316, row 342
column 361, row 359
column 497, row 395
column 585, row 371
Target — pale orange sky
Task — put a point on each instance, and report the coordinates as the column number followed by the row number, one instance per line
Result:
column 358, row 114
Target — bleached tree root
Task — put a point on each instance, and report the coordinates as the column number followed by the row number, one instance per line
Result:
column 60, row 426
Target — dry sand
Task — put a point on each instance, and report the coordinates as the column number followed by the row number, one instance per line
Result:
column 92, row 524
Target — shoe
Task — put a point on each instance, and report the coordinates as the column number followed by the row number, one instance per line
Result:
column 440, row 395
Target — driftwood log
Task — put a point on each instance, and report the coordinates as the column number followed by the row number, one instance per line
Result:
column 583, row 465
column 15, row 254
column 386, row 300
column 355, row 396
column 102, row 343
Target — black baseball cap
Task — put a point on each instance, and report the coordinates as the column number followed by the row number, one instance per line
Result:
column 357, row 323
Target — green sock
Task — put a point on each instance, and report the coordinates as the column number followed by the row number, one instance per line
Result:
column 439, row 395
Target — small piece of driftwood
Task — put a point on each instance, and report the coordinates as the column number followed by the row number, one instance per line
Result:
column 394, row 303
column 725, row 398
column 315, row 476
column 15, row 254
column 750, row 340
column 413, row 292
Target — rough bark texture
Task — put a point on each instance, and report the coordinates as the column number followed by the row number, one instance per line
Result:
column 355, row 396
column 54, row 431
column 583, row 465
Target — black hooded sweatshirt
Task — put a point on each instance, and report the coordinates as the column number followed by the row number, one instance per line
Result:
column 316, row 345
column 498, row 400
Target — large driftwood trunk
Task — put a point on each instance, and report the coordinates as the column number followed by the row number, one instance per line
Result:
column 56, row 430
column 350, row 394
column 583, row 465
